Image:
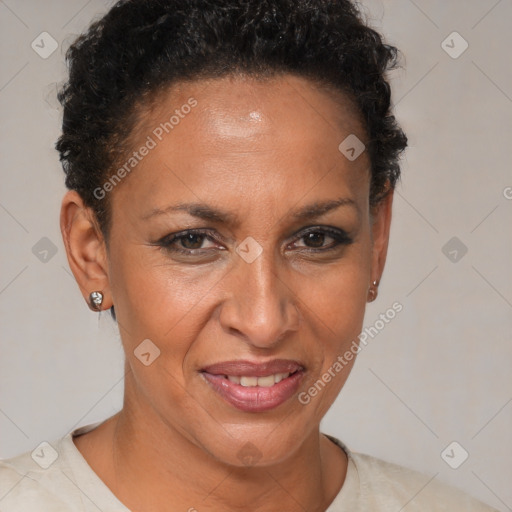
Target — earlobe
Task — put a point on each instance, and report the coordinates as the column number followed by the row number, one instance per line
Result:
column 86, row 250
column 373, row 291
column 381, row 223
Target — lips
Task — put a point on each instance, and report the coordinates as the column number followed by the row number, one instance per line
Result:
column 255, row 387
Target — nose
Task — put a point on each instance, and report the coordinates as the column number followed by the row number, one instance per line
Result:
column 261, row 308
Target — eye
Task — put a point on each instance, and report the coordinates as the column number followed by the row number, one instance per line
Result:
column 323, row 239
column 315, row 239
column 187, row 242
column 192, row 240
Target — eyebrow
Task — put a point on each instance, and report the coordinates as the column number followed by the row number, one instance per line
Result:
column 206, row 212
column 322, row 207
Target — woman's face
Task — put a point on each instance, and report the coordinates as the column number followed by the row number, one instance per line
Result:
column 268, row 288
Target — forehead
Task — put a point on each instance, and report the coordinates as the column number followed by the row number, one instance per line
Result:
column 243, row 97
column 238, row 106
column 218, row 136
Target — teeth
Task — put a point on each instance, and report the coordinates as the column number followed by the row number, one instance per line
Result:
column 248, row 381
column 264, row 382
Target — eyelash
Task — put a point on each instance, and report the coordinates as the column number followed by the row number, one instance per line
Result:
column 339, row 236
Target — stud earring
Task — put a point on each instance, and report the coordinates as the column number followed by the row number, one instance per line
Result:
column 372, row 292
column 95, row 301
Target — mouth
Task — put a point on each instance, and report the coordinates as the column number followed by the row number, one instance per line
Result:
column 255, row 387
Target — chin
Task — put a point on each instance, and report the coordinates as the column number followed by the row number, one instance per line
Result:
column 255, row 445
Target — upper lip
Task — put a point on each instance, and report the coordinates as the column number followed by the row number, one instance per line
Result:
column 252, row 369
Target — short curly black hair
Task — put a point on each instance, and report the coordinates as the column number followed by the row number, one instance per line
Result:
column 141, row 47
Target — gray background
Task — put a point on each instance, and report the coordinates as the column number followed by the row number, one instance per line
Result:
column 438, row 373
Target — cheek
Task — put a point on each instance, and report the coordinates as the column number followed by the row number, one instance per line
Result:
column 153, row 297
column 338, row 299
column 337, row 294
column 336, row 304
column 338, row 314
column 156, row 301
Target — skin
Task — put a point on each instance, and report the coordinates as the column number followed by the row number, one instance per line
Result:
column 259, row 150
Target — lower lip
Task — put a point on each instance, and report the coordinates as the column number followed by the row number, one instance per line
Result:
column 256, row 398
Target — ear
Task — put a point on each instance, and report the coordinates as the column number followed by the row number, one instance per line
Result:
column 381, row 222
column 85, row 248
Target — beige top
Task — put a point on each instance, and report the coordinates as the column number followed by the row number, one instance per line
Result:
column 55, row 477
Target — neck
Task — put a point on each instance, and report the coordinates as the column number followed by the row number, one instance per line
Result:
column 151, row 466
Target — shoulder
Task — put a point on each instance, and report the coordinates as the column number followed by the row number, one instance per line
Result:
column 54, row 476
column 385, row 482
column 27, row 484
column 381, row 486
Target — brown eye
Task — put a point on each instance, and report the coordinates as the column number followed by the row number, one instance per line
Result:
column 322, row 239
column 315, row 239
column 189, row 242
column 192, row 240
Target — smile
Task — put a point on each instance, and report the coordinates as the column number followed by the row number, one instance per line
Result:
column 253, row 387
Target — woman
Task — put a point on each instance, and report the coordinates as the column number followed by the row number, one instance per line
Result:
column 231, row 167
